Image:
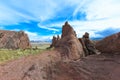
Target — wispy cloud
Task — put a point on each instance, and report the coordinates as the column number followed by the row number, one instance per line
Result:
column 95, row 26
column 100, row 9
column 47, row 27
column 35, row 36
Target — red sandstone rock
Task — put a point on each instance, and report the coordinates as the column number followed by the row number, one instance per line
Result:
column 93, row 67
column 55, row 40
column 110, row 44
column 69, row 45
column 88, row 45
column 14, row 40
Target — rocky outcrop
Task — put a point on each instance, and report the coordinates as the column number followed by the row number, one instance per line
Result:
column 14, row 40
column 54, row 41
column 93, row 67
column 110, row 44
column 88, row 45
column 69, row 45
column 67, row 30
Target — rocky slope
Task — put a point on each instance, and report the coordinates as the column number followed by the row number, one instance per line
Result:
column 110, row 44
column 14, row 40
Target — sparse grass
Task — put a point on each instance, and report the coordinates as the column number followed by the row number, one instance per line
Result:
column 6, row 54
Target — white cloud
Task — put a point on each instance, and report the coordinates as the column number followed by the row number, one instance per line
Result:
column 47, row 27
column 94, row 26
column 40, row 10
column 35, row 36
column 99, row 9
column 13, row 12
column 91, row 26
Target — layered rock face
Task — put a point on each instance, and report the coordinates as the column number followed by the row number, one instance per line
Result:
column 14, row 40
column 110, row 44
column 69, row 46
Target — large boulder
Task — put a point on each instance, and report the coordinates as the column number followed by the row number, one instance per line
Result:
column 69, row 45
column 110, row 44
column 14, row 40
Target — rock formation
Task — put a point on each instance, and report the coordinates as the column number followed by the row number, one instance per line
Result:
column 110, row 44
column 67, row 30
column 14, row 40
column 69, row 45
column 88, row 45
column 54, row 41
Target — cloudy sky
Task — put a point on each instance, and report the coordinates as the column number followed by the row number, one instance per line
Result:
column 41, row 19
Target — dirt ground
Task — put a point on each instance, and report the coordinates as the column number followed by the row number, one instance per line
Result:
column 49, row 66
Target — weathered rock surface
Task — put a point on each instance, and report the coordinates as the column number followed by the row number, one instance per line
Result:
column 93, row 67
column 110, row 44
column 14, row 40
column 88, row 45
column 55, row 40
column 69, row 45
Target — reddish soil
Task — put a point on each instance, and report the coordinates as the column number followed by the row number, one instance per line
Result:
column 28, row 68
column 49, row 66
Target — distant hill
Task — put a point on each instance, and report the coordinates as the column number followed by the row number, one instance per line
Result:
column 40, row 42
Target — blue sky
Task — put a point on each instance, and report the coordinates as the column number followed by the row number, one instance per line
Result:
column 41, row 19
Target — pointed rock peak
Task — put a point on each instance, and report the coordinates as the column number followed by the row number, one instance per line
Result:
column 67, row 30
column 86, row 35
column 66, row 23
